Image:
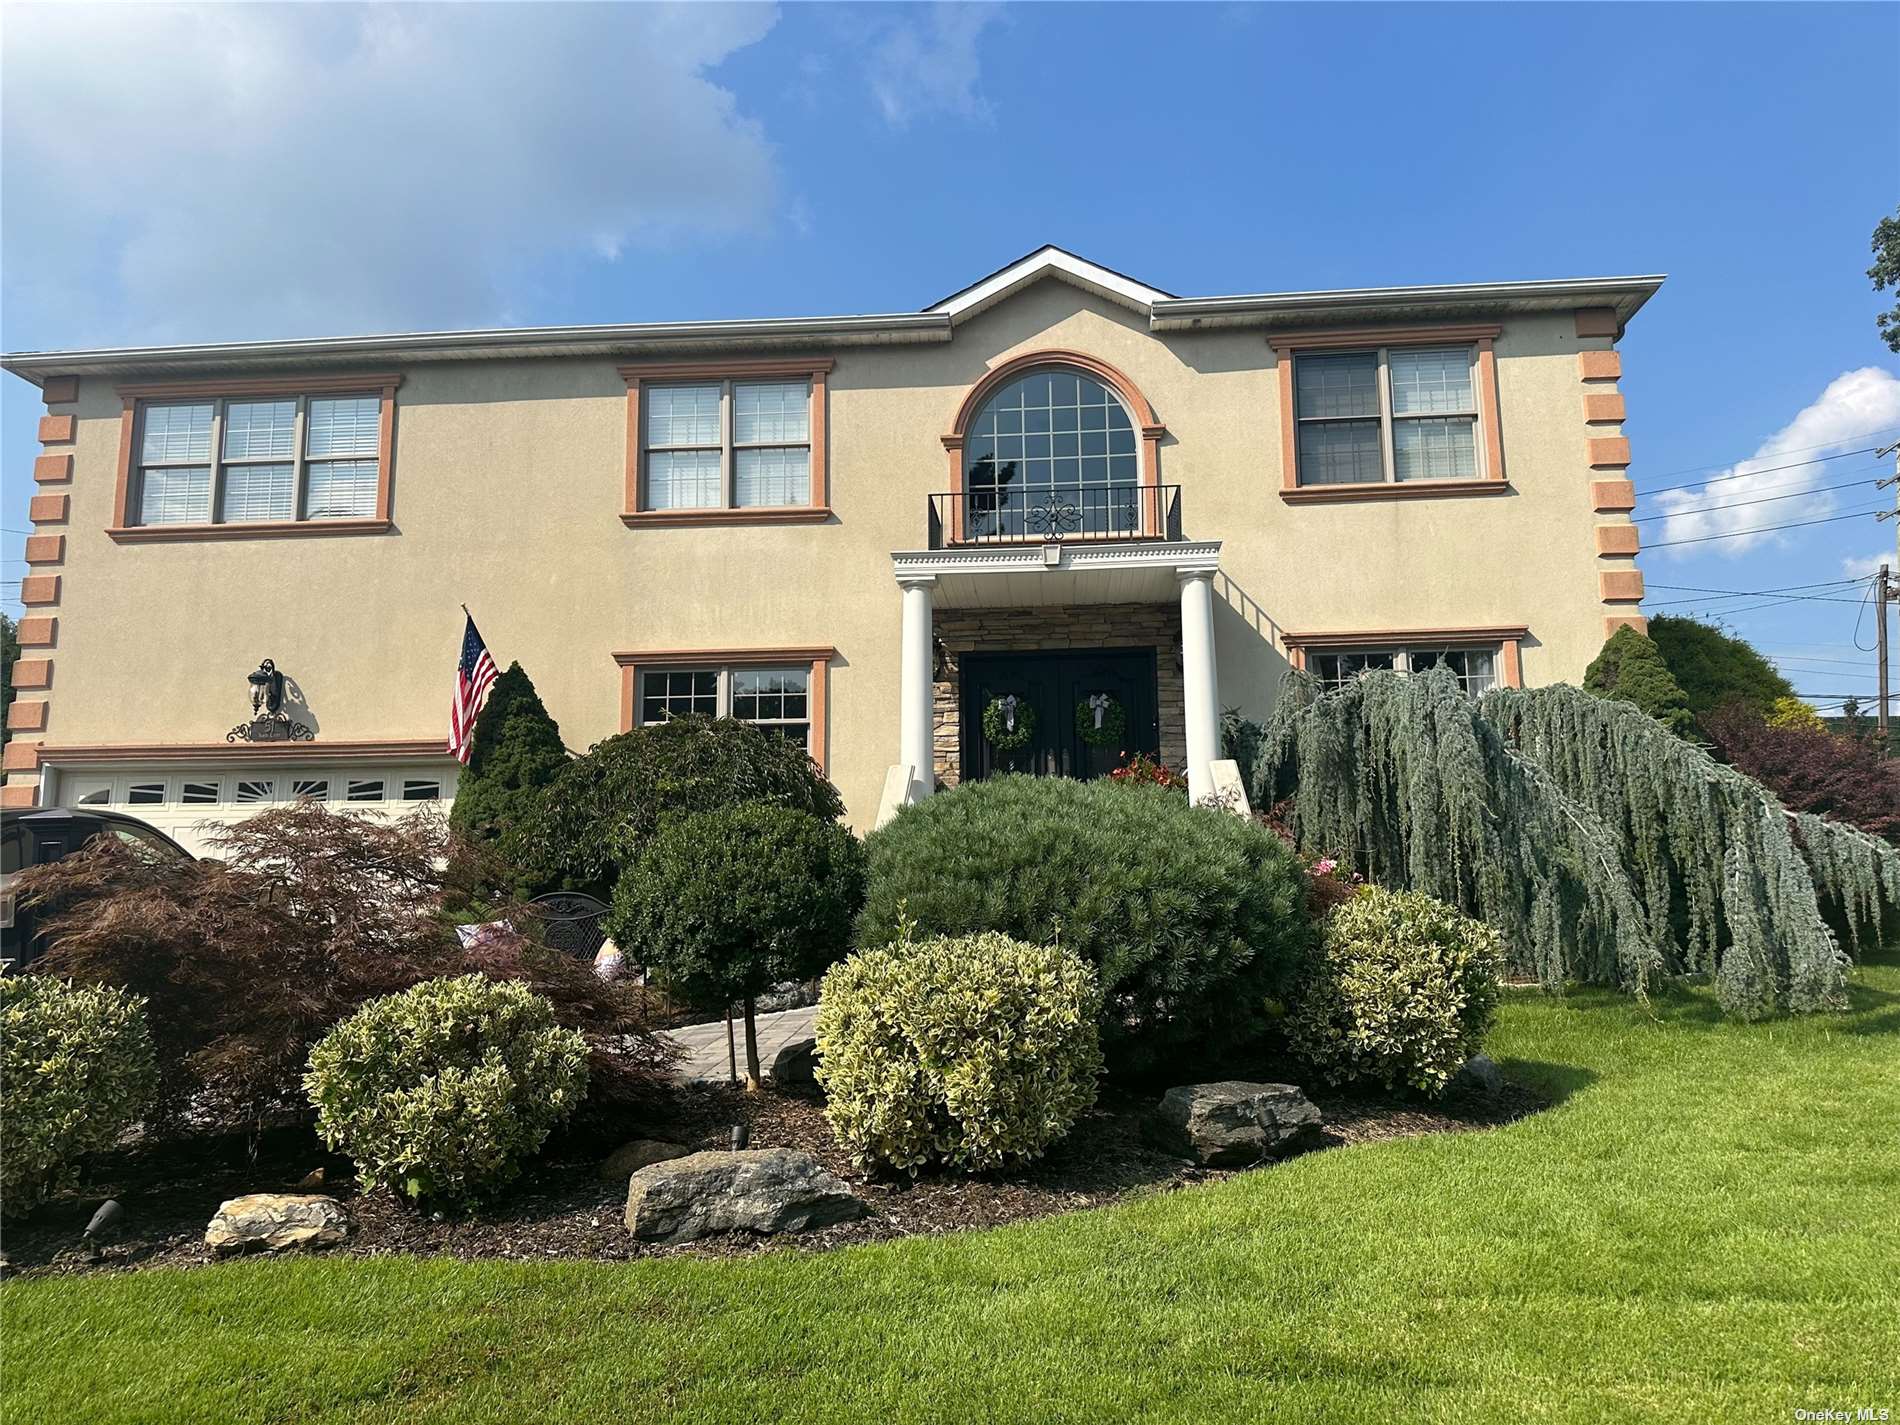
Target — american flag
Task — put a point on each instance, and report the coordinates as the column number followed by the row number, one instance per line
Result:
column 474, row 675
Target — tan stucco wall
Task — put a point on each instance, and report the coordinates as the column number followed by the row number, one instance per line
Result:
column 508, row 483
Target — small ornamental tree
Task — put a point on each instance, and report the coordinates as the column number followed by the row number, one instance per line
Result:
column 1812, row 769
column 1714, row 668
column 517, row 751
column 725, row 904
column 602, row 808
column 1794, row 715
column 1630, row 668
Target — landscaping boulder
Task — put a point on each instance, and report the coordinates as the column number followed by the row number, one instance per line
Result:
column 796, row 1064
column 275, row 1221
column 761, row 1190
column 629, row 1158
column 1232, row 1124
column 1479, row 1074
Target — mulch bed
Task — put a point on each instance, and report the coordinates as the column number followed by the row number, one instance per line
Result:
column 561, row 1209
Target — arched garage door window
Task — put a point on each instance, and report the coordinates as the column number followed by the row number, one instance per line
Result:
column 1052, row 453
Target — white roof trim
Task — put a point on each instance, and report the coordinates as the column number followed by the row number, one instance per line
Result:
column 1180, row 556
column 1049, row 262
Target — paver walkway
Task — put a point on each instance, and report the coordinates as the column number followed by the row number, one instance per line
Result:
column 705, row 1044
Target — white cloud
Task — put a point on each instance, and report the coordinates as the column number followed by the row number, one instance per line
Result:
column 1853, row 404
column 1868, row 565
column 928, row 66
column 217, row 171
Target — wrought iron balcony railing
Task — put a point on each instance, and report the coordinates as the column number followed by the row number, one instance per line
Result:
column 1055, row 513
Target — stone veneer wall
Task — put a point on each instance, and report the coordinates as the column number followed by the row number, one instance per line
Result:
column 1156, row 626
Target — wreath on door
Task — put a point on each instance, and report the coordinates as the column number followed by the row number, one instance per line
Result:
column 1009, row 722
column 1101, row 720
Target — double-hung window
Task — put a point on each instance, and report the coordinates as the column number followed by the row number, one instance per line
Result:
column 776, row 700
column 1372, row 412
column 261, row 455
column 730, row 445
column 1398, row 413
column 1476, row 668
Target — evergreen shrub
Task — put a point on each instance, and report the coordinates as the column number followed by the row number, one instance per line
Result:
column 517, row 751
column 440, row 1092
column 1192, row 918
column 601, row 808
column 972, row 1052
column 1631, row 669
column 76, row 1067
column 725, row 904
column 1400, row 991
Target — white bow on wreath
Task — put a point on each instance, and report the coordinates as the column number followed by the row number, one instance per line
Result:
column 1008, row 707
column 1098, row 705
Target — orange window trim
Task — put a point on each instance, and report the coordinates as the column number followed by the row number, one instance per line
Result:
column 133, row 396
column 1288, row 345
column 1508, row 638
column 815, row 369
column 1140, row 412
column 633, row 664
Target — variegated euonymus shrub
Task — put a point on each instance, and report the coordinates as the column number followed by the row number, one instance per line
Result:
column 443, row 1090
column 971, row 1052
column 1401, row 991
column 76, row 1067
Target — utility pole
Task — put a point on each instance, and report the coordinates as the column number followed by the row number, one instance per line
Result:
column 1885, row 590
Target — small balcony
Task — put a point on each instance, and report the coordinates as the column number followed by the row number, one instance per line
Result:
column 1058, row 514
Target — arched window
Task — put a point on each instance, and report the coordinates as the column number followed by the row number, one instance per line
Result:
column 1052, row 452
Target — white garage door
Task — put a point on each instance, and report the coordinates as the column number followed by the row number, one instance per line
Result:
column 189, row 804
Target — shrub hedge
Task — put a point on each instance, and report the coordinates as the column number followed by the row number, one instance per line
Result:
column 441, row 1091
column 598, row 813
column 1192, row 919
column 972, row 1052
column 76, row 1067
column 1401, row 991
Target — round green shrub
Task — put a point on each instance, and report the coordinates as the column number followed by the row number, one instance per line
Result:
column 442, row 1090
column 972, row 1052
column 76, row 1067
column 725, row 904
column 594, row 818
column 1401, row 991
column 1192, row 918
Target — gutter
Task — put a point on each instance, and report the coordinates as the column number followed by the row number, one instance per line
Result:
column 1625, row 294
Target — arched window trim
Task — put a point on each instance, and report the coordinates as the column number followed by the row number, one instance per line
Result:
column 1139, row 411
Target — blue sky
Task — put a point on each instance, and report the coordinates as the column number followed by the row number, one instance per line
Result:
column 253, row 171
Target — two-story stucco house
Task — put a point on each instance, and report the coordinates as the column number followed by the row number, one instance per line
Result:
column 1058, row 485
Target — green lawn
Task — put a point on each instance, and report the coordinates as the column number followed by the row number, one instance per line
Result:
column 1707, row 1228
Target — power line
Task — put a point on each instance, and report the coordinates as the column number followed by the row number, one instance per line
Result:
column 1783, row 589
column 1797, row 450
column 1769, row 528
column 1762, row 500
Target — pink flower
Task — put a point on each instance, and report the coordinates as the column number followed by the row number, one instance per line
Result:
column 1325, row 866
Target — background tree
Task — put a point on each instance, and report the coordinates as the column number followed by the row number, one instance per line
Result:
column 1886, row 273
column 1631, row 668
column 726, row 904
column 517, row 752
column 1714, row 668
column 9, row 655
column 1812, row 769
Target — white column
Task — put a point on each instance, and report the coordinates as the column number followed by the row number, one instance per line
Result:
column 916, row 707
column 1201, row 686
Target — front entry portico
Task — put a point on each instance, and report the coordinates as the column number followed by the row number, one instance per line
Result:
column 1076, row 578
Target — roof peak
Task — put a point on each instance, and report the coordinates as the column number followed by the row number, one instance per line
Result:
column 1048, row 261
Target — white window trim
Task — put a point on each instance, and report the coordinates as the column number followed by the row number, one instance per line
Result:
column 724, row 673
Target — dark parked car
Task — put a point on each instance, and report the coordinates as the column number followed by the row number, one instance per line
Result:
column 33, row 838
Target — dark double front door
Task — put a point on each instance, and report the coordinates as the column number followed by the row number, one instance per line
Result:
column 1055, row 685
